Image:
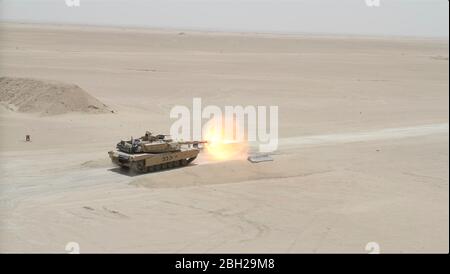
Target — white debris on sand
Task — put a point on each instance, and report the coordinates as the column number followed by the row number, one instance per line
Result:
column 258, row 158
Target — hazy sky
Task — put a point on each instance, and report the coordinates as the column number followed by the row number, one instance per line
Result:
column 392, row 17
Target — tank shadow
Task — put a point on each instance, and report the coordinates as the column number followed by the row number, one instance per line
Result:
column 131, row 173
column 126, row 172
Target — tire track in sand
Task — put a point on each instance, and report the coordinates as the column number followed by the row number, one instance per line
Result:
column 363, row 136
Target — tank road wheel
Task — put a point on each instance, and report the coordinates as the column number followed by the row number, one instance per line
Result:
column 139, row 166
column 150, row 169
column 163, row 166
column 191, row 159
column 133, row 167
column 183, row 162
column 170, row 165
column 176, row 163
column 157, row 167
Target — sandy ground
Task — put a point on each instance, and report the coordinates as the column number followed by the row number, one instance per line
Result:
column 363, row 153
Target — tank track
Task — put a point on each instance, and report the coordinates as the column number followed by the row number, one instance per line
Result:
column 140, row 167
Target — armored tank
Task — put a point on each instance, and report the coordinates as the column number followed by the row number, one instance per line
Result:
column 154, row 152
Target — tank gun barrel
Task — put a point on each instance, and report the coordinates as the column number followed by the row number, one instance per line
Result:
column 193, row 143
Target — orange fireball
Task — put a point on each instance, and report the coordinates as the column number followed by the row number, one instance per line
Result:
column 221, row 149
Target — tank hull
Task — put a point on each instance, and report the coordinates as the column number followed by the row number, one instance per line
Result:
column 148, row 162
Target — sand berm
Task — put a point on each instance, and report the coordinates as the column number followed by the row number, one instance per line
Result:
column 47, row 97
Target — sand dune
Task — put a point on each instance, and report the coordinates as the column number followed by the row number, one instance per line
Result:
column 46, row 97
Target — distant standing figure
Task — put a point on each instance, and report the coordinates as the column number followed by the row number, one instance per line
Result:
column 27, row 138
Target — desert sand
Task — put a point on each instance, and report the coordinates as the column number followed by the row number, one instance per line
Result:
column 363, row 153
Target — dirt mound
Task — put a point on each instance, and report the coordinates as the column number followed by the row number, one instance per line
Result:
column 47, row 97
